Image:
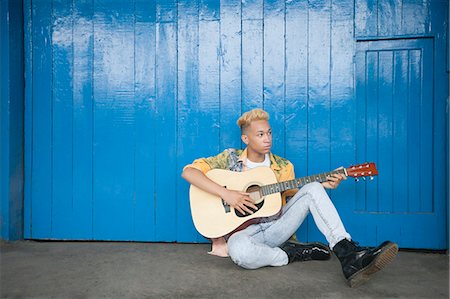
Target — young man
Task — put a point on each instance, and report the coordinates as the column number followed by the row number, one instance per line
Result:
column 266, row 243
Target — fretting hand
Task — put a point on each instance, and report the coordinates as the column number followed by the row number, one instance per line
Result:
column 334, row 180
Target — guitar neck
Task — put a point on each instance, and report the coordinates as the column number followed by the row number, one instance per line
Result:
column 297, row 183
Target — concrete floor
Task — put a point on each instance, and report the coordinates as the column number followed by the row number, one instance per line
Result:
column 154, row 270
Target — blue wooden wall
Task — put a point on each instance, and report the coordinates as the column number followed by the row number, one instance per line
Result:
column 11, row 120
column 120, row 95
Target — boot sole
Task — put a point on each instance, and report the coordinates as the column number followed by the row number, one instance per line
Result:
column 386, row 256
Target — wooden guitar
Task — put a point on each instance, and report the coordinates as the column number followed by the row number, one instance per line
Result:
column 214, row 218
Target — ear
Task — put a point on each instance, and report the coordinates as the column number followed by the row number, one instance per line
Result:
column 244, row 138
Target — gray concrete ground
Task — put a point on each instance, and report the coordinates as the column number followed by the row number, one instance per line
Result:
column 154, row 270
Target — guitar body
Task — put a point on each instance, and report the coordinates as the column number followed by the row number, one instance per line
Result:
column 214, row 218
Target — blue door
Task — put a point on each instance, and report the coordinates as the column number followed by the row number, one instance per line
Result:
column 120, row 95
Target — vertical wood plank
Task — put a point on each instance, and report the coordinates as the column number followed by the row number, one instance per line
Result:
column 189, row 135
column 62, row 135
column 385, row 128
column 361, row 122
column 400, row 151
column 296, row 117
column 426, row 128
column 274, row 71
column 389, row 17
column 414, row 138
column 41, row 184
column 165, row 121
column 83, row 48
column 366, row 18
column 144, row 97
column 372, row 106
column 28, row 116
column 113, row 112
column 319, row 63
column 343, row 106
column 252, row 55
column 230, row 72
column 415, row 17
column 319, row 87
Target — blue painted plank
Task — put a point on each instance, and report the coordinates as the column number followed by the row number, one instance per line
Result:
column 414, row 129
column 361, row 94
column 165, row 125
column 296, row 81
column 372, row 108
column 366, row 20
column 230, row 73
column 145, row 96
column 252, row 64
column 439, row 12
column 415, row 17
column 319, row 62
column 389, row 17
column 5, row 105
column 41, row 184
column 83, row 54
column 28, row 115
column 426, row 126
column 400, row 166
column 319, row 87
column 385, row 129
column 274, row 71
column 343, row 106
column 62, row 135
column 114, row 121
column 189, row 135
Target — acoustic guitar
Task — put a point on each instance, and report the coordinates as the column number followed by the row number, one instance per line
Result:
column 214, row 218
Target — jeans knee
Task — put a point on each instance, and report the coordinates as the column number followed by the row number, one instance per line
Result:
column 314, row 188
column 238, row 250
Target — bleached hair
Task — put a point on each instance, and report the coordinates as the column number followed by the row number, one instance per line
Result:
column 256, row 114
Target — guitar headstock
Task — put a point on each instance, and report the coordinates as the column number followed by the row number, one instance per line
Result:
column 362, row 170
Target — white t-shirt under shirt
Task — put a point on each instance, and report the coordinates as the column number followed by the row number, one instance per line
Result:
column 266, row 162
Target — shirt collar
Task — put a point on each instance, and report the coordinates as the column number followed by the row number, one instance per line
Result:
column 273, row 164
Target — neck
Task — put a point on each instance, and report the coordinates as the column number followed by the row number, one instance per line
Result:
column 255, row 157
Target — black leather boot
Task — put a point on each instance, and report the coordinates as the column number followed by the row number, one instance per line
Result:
column 299, row 252
column 358, row 263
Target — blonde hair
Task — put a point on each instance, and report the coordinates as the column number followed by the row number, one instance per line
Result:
column 256, row 114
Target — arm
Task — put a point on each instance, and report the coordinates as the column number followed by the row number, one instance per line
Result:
column 236, row 199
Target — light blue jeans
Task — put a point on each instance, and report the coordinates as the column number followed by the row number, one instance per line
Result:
column 257, row 245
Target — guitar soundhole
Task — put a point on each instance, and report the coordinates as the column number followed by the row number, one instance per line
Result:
column 256, row 196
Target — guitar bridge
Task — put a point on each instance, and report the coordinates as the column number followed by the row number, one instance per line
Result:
column 226, row 206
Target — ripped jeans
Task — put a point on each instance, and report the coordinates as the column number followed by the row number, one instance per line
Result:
column 257, row 245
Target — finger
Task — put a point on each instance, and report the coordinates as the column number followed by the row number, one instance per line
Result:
column 332, row 179
column 236, row 207
column 245, row 208
column 250, row 204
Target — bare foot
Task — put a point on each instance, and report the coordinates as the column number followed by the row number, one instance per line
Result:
column 219, row 247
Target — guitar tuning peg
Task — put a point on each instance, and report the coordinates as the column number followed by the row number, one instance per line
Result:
column 371, row 178
column 364, row 178
column 356, row 180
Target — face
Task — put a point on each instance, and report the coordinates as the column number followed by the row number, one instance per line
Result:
column 258, row 137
